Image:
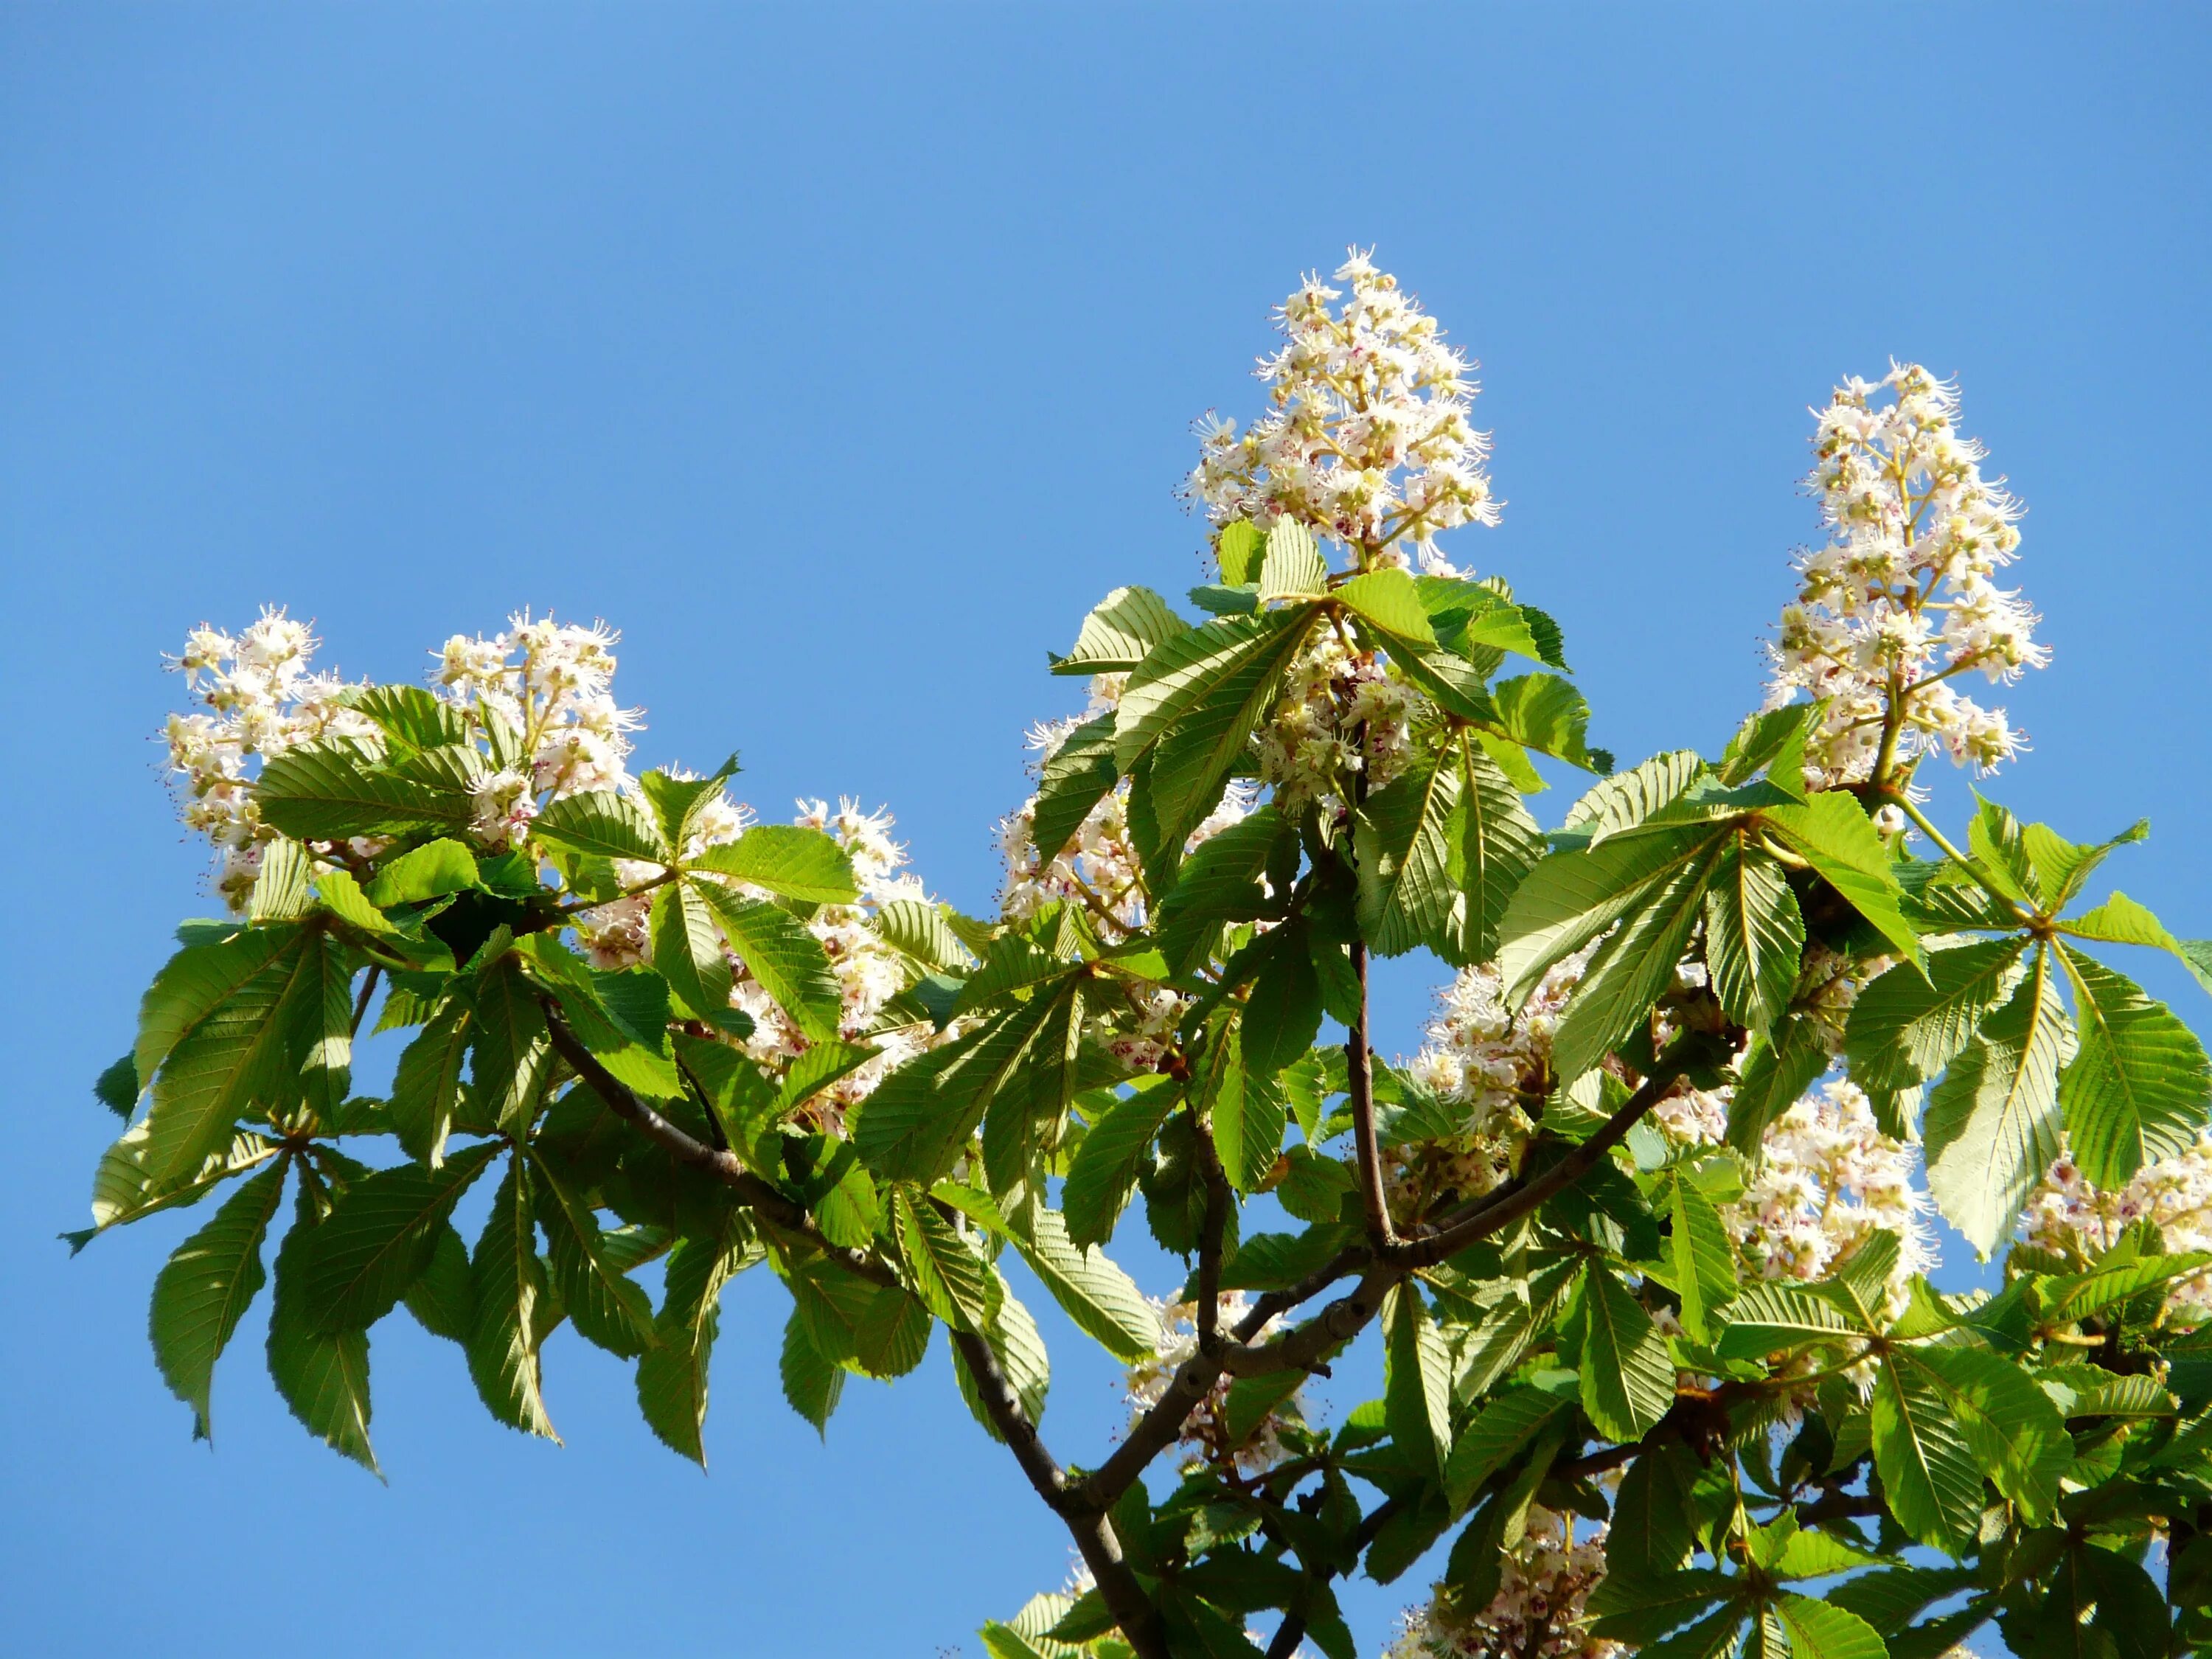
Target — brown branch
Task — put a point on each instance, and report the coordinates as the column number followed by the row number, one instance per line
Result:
column 1359, row 1084
column 1211, row 1229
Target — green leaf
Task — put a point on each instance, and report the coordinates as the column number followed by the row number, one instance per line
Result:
column 789, row 859
column 195, row 982
column 1104, row 1301
column 2138, row 1086
column 322, row 1377
column 378, row 1238
column 1817, row 1631
column 786, row 960
column 1390, row 600
column 1772, row 1318
column 1906, row 1026
column 1627, row 1375
column 687, row 951
column 1104, row 1170
column 1282, row 1016
column 925, row 933
column 2120, row 921
column 1184, row 670
column 671, row 1377
column 510, row 1282
column 441, row 1298
column 1573, row 897
column 604, row 1304
column 201, row 1292
column 677, row 802
column 1833, row 833
column 426, row 1091
column 231, row 1057
column 121, row 1191
column 1493, row 845
column 430, row 871
column 117, row 1088
column 1291, row 566
column 1628, row 798
column 1545, row 713
column 1417, row 1393
column 1120, row 633
column 1073, row 779
column 280, row 889
column 601, row 824
column 953, row 1281
column 317, row 1017
column 1755, row 936
column 2012, row 1430
column 510, row 1048
column 812, row 1382
column 1928, row 1472
column 1500, row 1432
column 1780, row 1064
column 1209, row 740
column 1992, row 1127
column 1630, row 970
column 1237, row 547
column 336, row 789
column 923, row 1113
column 1403, row 845
column 1248, row 1112
column 1702, row 1258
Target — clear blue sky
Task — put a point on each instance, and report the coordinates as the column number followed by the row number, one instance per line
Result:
column 842, row 358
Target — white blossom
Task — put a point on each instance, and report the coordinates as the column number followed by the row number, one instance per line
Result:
column 1902, row 598
column 1540, row 1610
column 2070, row 1216
column 1366, row 439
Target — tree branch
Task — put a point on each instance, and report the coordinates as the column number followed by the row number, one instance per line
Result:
column 1211, row 1229
column 1360, row 1086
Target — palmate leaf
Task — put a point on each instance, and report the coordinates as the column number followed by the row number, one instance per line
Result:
column 1492, row 845
column 441, row 1298
column 426, row 1091
column 201, row 1292
column 232, row 1057
column 677, row 802
column 953, row 1281
column 1906, row 1027
column 1391, row 600
column 2138, row 1086
column 606, row 1306
column 510, row 1048
column 1020, row 1352
column 195, row 982
column 1933, row 1484
column 1402, row 845
column 1104, row 1301
column 1754, row 936
column 1702, row 1258
column 121, row 1191
column 1778, row 1065
column 789, row 962
column 1196, row 756
column 1833, row 833
column 1073, row 779
column 337, row 788
column 1635, row 964
column 377, row 1240
column 1104, row 1170
column 1817, row 1631
column 1500, row 1432
column 1417, row 1390
column 687, row 950
column 322, row 1375
column 671, row 1377
column 1628, row 798
column 1773, row 1318
column 1119, row 632
column 430, row 871
column 921, row 1115
column 1545, row 713
column 2012, row 1428
column 1180, row 673
column 1627, row 1376
column 812, row 1382
column 317, row 1018
column 1992, row 1125
column 791, row 860
column 1249, row 1113
column 1282, row 1015
column 509, row 1282
column 601, row 824
column 1573, row 897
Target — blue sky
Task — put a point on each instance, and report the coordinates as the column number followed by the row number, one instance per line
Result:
column 842, row 358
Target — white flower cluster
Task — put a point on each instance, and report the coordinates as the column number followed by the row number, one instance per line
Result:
column 548, row 685
column 257, row 699
column 1343, row 713
column 1901, row 600
column 2067, row 1215
column 1544, row 1586
column 1368, row 440
column 1205, row 1435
